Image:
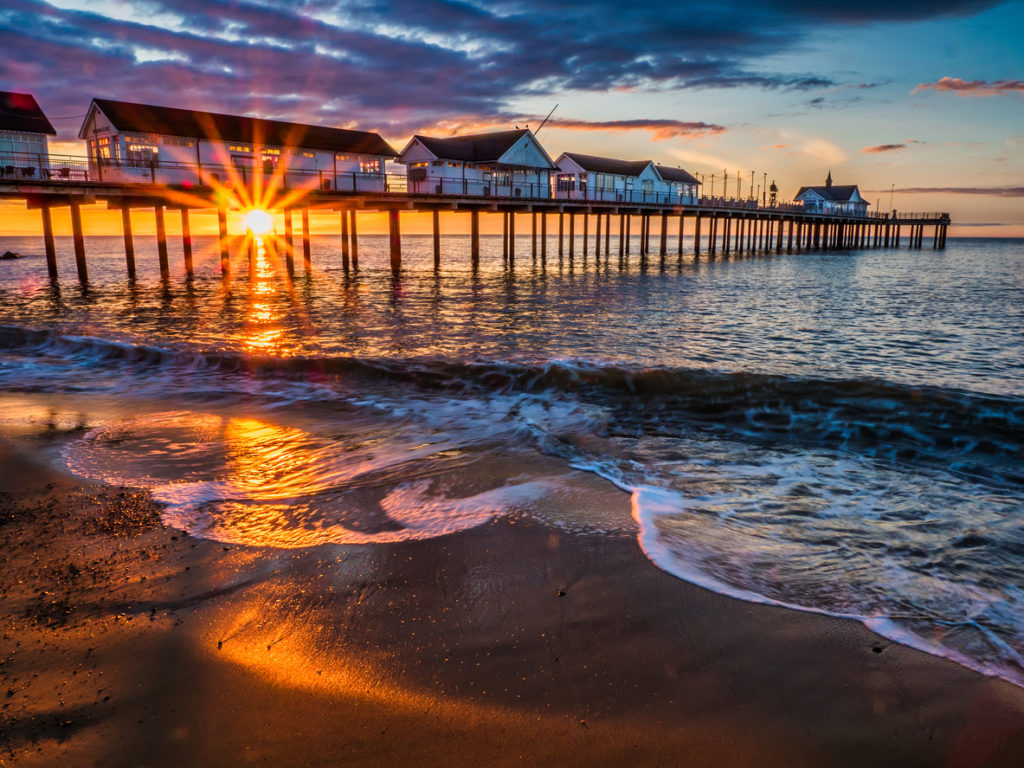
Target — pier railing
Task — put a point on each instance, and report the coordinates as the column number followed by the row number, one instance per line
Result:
column 20, row 168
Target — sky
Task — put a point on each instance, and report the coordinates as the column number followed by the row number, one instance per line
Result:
column 919, row 103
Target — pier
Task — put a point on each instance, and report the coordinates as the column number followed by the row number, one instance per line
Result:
column 717, row 225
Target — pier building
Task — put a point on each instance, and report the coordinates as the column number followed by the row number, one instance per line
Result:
column 607, row 179
column 843, row 199
column 130, row 142
column 24, row 130
column 501, row 164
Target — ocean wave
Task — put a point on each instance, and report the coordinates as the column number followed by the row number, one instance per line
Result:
column 974, row 434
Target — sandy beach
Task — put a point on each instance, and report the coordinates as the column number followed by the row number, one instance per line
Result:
column 126, row 643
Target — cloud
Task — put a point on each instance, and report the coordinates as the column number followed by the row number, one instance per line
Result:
column 883, row 148
column 986, row 191
column 659, row 129
column 397, row 65
column 973, row 87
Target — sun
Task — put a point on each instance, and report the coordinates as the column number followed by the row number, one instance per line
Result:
column 259, row 221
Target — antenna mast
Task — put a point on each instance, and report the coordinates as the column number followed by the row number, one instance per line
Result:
column 545, row 119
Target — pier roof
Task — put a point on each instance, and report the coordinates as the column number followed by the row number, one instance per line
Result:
column 668, row 173
column 596, row 164
column 20, row 112
column 171, row 121
column 475, row 148
column 839, row 194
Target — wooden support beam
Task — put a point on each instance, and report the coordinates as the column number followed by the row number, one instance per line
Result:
column 307, row 261
column 48, row 242
column 682, row 228
column 586, row 233
column 394, row 241
column 713, row 234
column 572, row 235
column 664, row 235
column 345, row 265
column 696, row 236
column 561, row 229
column 511, row 237
column 129, row 241
column 607, row 234
column 504, row 236
column 789, row 242
column 186, row 242
column 79, row 239
column 474, row 238
column 629, row 234
column 533, row 235
column 437, row 239
column 778, row 235
column 543, row 237
column 289, row 242
column 353, row 236
column 622, row 236
column 222, row 243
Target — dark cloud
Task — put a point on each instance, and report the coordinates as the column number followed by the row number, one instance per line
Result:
column 988, row 191
column 973, row 87
column 659, row 129
column 404, row 65
column 883, row 148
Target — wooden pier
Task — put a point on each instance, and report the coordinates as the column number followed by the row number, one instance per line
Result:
column 716, row 225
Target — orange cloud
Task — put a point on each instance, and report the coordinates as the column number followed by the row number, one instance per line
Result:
column 973, row 87
column 659, row 129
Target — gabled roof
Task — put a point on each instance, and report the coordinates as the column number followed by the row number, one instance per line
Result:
column 837, row 194
column 475, row 148
column 20, row 112
column 170, row 121
column 669, row 173
column 594, row 164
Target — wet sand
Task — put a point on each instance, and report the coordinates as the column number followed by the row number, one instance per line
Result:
column 125, row 643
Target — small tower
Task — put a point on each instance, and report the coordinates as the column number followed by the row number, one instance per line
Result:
column 774, row 194
column 828, row 181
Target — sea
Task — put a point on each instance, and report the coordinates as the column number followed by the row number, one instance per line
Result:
column 840, row 432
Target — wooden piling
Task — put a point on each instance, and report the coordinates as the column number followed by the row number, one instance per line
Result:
column 186, row 241
column 504, row 236
column 664, row 234
column 353, row 236
column 622, row 236
column 437, row 239
column 543, row 237
column 307, row 261
column 533, row 235
column 289, row 242
column 474, row 238
column 222, row 230
column 344, row 241
column 561, row 230
column 395, row 241
column 586, row 234
column 48, row 242
column 129, row 241
column 572, row 235
column 79, row 238
column 161, row 243
column 696, row 235
column 511, row 237
column 682, row 227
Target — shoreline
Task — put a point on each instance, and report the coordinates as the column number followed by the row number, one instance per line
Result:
column 128, row 643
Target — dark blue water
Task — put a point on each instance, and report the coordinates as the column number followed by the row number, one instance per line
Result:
column 835, row 431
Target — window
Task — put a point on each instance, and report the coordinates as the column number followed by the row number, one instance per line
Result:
column 454, row 165
column 438, row 163
column 647, row 185
column 310, row 155
column 140, row 153
column 566, row 182
column 418, row 165
column 176, row 141
column 239, row 148
column 345, row 158
column 369, row 166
